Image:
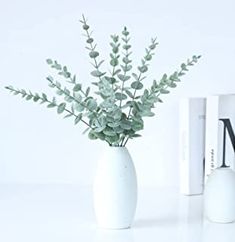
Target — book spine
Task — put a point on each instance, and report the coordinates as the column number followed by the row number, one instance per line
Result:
column 192, row 145
column 212, row 116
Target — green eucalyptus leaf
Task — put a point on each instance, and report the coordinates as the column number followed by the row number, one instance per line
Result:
column 51, row 105
column 85, row 27
column 91, row 104
column 126, row 47
column 49, row 61
column 135, row 76
column 61, row 108
column 78, row 118
column 129, row 93
column 29, row 97
column 78, row 107
column 126, row 60
column 137, row 85
column 172, row 85
column 143, row 68
column 87, row 91
column 148, row 57
column 97, row 73
column 68, row 115
column 114, row 62
column 136, row 126
column 123, row 77
column 125, row 32
column 120, row 96
column 99, row 129
column 59, row 92
column 93, row 54
column 109, row 132
column 117, row 114
column 92, row 135
column 99, row 135
column 77, row 97
column 118, row 129
column 164, row 91
column 115, row 49
column 90, row 40
column 112, row 139
column 68, row 99
column 77, row 87
column 113, row 124
column 147, row 113
column 184, row 67
column 125, row 124
column 36, row 97
column 131, row 136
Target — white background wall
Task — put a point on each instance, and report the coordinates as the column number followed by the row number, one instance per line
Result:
column 37, row 146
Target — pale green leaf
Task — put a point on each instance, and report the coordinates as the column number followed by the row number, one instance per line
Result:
column 137, row 85
column 61, row 108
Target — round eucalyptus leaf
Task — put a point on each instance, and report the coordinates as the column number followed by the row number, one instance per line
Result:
column 93, row 54
column 114, row 62
column 123, row 77
column 90, row 40
column 85, row 27
column 112, row 139
column 136, row 126
column 120, row 96
column 78, row 107
column 125, row 124
column 91, row 104
column 49, row 61
column 99, row 129
column 137, row 85
column 109, row 132
column 115, row 49
column 92, row 135
column 113, row 124
column 99, row 135
column 97, row 73
column 77, row 87
column 143, row 68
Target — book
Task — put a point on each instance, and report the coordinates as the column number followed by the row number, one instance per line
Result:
column 220, row 125
column 192, row 145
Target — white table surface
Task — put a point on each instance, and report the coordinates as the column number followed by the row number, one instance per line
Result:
column 56, row 213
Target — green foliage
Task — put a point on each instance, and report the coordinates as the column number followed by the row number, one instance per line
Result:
column 116, row 115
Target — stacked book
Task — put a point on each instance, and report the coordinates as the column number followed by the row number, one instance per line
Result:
column 207, row 140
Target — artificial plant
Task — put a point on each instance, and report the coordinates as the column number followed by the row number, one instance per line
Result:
column 116, row 114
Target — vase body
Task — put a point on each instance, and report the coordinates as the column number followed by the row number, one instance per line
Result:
column 115, row 189
column 219, row 196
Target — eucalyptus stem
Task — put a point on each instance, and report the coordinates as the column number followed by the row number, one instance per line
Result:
column 70, row 96
column 88, row 35
column 126, row 65
column 36, row 97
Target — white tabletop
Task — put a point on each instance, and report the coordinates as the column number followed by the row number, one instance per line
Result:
column 64, row 213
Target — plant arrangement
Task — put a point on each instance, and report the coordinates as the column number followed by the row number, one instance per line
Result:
column 116, row 114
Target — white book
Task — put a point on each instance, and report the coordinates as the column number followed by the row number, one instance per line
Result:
column 219, row 107
column 192, row 145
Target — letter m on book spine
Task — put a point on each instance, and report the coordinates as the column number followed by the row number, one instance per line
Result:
column 220, row 126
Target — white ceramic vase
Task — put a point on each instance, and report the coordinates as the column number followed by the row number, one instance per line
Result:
column 219, row 196
column 115, row 189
